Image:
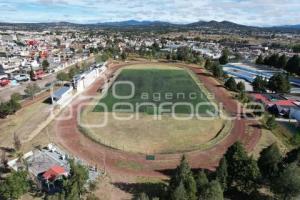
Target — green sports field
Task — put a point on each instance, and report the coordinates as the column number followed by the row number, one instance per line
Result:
column 154, row 87
column 145, row 133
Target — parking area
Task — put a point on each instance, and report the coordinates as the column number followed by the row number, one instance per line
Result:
column 7, row 91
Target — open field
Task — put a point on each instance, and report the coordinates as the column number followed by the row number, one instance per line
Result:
column 154, row 86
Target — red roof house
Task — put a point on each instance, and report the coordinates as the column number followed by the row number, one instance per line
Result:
column 270, row 102
column 54, row 172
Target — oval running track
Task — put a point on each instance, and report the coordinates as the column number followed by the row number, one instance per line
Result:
column 69, row 137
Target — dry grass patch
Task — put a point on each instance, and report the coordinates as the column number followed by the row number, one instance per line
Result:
column 267, row 138
column 146, row 135
column 23, row 123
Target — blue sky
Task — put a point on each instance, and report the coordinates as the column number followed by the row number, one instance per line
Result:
column 248, row 12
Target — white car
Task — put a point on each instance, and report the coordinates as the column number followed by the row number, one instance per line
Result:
column 22, row 77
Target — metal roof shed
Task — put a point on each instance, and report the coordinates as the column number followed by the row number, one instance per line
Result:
column 60, row 92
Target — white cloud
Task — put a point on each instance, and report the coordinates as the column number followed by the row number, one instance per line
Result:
column 250, row 12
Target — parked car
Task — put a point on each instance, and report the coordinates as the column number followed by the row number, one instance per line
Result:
column 2, row 75
column 4, row 82
column 22, row 77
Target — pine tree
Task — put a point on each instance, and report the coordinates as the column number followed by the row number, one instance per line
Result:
column 179, row 193
column 143, row 196
column 287, row 185
column 208, row 64
column 201, row 181
column 184, row 174
column 74, row 185
column 279, row 83
column 240, row 86
column 282, row 61
column 273, row 60
column 222, row 173
column 246, row 178
column 242, row 170
column 234, row 155
column 45, row 65
column 260, row 60
column 259, row 84
column 212, row 192
column 224, row 58
column 269, row 160
column 217, row 71
column 231, row 84
column 293, row 65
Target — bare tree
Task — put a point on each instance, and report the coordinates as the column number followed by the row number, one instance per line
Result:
column 17, row 142
column 4, row 160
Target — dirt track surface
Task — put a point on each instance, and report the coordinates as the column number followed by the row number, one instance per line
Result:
column 70, row 138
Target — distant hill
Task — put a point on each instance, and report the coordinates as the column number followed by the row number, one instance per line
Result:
column 134, row 23
column 294, row 27
column 216, row 24
column 221, row 25
column 225, row 26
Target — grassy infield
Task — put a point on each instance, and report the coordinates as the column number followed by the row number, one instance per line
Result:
column 157, row 86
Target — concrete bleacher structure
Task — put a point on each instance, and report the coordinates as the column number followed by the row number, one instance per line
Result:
column 80, row 82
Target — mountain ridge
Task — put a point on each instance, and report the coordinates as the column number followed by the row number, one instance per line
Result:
column 157, row 24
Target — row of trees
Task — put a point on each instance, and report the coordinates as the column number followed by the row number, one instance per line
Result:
column 281, row 174
column 238, row 175
column 291, row 65
column 296, row 48
column 184, row 185
column 278, row 83
column 13, row 105
column 185, row 54
column 233, row 86
column 214, row 67
column 274, row 60
column 67, row 76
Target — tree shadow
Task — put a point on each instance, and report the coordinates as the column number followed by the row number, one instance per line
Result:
column 151, row 189
column 205, row 74
column 258, row 126
column 7, row 149
column 166, row 172
column 48, row 101
column 220, row 86
column 235, row 195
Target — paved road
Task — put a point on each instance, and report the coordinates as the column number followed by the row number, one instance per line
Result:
column 6, row 92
